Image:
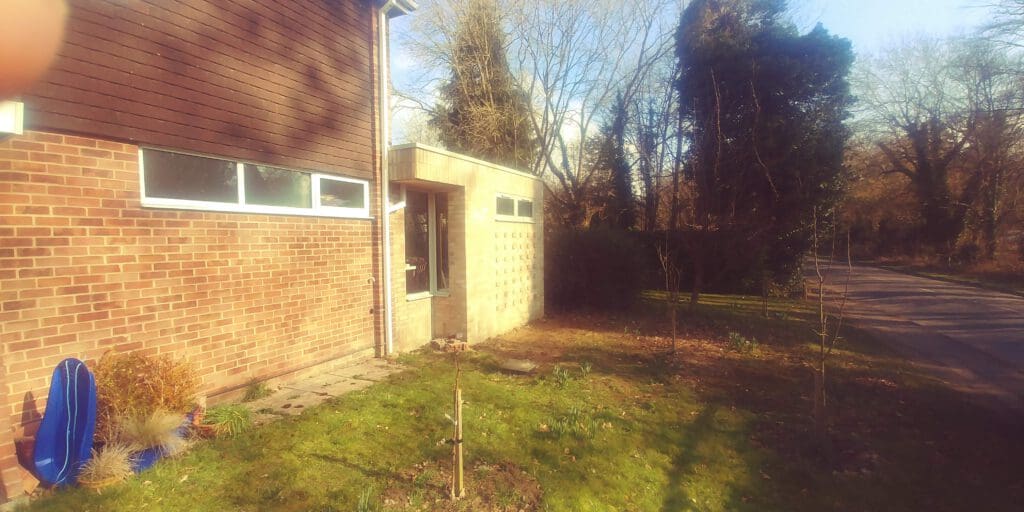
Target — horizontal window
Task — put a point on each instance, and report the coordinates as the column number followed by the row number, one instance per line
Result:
column 175, row 176
column 270, row 186
column 506, row 206
column 524, row 208
column 510, row 208
column 178, row 180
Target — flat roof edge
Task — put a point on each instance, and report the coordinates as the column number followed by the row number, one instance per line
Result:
column 459, row 156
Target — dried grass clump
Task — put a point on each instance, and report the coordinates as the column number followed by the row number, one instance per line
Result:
column 132, row 385
column 157, row 430
column 110, row 465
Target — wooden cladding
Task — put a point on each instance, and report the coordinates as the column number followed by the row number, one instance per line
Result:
column 284, row 82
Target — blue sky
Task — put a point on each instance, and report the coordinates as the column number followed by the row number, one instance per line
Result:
column 872, row 25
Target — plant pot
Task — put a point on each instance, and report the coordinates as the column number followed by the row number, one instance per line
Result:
column 205, row 430
column 146, row 458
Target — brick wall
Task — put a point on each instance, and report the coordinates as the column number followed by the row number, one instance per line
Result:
column 10, row 477
column 85, row 269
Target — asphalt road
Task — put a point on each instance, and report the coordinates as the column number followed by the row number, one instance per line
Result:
column 969, row 337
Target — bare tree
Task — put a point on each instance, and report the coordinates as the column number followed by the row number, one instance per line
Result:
column 917, row 108
column 830, row 322
column 669, row 258
column 656, row 142
column 569, row 58
column 1007, row 27
column 946, row 114
column 573, row 57
column 993, row 152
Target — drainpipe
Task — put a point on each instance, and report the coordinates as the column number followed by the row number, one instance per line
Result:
column 400, row 7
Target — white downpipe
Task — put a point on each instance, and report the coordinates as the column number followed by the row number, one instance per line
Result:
column 384, row 109
column 385, row 196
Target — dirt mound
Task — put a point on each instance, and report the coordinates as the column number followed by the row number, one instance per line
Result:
column 499, row 487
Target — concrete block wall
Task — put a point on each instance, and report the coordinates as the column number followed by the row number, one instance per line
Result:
column 449, row 312
column 506, row 257
column 412, row 318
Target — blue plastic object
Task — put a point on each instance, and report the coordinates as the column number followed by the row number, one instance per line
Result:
column 145, row 459
column 64, row 439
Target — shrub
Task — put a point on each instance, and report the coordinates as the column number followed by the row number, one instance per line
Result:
column 229, row 419
column 742, row 344
column 256, row 390
column 599, row 268
column 132, row 385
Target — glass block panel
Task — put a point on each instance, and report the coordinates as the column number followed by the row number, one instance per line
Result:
column 190, row 177
column 270, row 186
column 342, row 194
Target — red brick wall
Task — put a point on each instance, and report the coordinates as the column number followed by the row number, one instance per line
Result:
column 85, row 269
column 10, row 477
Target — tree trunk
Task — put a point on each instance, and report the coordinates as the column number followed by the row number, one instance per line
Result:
column 698, row 278
column 764, row 295
column 990, row 215
column 820, row 428
column 675, row 304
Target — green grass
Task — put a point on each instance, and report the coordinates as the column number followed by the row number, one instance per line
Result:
column 620, row 425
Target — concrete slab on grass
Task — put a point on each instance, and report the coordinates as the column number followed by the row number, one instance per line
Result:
column 375, row 370
column 295, row 397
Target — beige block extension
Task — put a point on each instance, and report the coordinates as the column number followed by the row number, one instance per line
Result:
column 496, row 263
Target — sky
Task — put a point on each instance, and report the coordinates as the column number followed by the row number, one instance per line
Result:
column 871, row 25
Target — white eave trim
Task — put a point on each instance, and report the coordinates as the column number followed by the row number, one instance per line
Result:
column 396, row 8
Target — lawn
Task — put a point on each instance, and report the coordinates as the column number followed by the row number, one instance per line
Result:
column 611, row 421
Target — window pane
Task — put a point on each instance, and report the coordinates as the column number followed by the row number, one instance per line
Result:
column 525, row 208
column 441, row 224
column 271, row 186
column 197, row 178
column 342, row 194
column 506, row 206
column 417, row 242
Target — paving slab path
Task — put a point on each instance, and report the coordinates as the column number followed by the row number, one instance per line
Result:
column 298, row 395
column 971, row 338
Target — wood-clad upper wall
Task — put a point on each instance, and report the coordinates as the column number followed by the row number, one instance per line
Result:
column 285, row 82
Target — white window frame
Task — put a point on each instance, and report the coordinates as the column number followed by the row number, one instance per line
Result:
column 515, row 209
column 316, row 209
column 340, row 211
